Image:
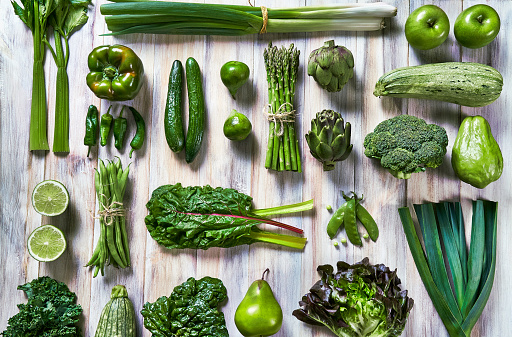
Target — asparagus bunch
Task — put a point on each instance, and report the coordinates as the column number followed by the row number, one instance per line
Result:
column 282, row 65
column 112, row 247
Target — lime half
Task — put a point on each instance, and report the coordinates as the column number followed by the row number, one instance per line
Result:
column 46, row 243
column 50, row 198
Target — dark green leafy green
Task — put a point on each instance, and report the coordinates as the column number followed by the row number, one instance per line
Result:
column 204, row 217
column 472, row 274
column 190, row 310
column 51, row 311
column 360, row 300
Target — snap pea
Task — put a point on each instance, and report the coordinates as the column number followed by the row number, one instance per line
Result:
column 350, row 222
column 119, row 128
column 91, row 128
column 105, row 125
column 138, row 139
column 336, row 221
column 368, row 222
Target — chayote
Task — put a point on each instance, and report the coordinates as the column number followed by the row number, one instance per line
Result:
column 476, row 156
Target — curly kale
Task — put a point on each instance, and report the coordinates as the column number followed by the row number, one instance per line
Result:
column 191, row 310
column 360, row 300
column 51, row 311
column 406, row 144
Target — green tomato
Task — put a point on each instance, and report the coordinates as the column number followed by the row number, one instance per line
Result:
column 237, row 126
column 427, row 27
column 477, row 26
column 234, row 74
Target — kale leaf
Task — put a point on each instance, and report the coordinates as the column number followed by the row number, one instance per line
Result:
column 51, row 311
column 191, row 310
column 360, row 300
column 203, row 217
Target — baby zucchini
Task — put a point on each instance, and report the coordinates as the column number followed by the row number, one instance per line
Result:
column 196, row 110
column 173, row 125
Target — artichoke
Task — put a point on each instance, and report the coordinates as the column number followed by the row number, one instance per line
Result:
column 329, row 139
column 331, row 66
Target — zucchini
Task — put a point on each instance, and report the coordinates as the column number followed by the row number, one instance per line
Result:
column 118, row 316
column 464, row 83
column 173, row 124
column 196, row 110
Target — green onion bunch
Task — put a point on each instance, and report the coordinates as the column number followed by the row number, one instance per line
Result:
column 166, row 17
column 112, row 247
column 282, row 65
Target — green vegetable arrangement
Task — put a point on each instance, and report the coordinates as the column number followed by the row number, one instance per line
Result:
column 65, row 16
column 170, row 17
column 205, row 217
column 190, row 310
column 112, row 247
column 459, row 304
column 51, row 311
column 406, row 144
column 283, row 147
column 360, row 300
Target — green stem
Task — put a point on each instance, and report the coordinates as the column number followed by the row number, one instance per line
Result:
column 61, row 132
column 279, row 239
column 293, row 208
column 38, row 137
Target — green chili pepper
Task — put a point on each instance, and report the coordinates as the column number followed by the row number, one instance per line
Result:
column 138, row 139
column 120, row 126
column 367, row 221
column 105, row 125
column 350, row 221
column 91, row 128
column 336, row 221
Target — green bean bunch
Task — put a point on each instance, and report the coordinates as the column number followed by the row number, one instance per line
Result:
column 112, row 247
column 347, row 215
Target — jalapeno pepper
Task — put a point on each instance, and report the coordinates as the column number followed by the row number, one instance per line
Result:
column 119, row 128
column 116, row 73
column 91, row 128
column 138, row 138
column 105, row 125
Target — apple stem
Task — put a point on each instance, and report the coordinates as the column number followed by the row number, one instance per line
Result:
column 265, row 271
column 480, row 18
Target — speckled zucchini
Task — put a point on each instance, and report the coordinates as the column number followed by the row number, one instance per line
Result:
column 118, row 316
column 464, row 83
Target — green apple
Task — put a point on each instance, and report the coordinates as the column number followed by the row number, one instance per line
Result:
column 427, row 27
column 477, row 26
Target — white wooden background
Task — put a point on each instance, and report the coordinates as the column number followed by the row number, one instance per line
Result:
column 155, row 270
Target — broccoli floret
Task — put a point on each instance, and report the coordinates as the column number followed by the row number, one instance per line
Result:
column 406, row 144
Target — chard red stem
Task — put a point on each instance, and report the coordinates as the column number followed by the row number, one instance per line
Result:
column 262, row 220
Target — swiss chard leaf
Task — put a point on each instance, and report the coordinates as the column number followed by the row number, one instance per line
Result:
column 204, row 217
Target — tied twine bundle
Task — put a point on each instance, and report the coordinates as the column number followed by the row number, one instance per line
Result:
column 281, row 116
column 108, row 212
column 264, row 15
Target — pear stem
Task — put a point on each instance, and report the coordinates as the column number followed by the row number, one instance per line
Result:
column 265, row 271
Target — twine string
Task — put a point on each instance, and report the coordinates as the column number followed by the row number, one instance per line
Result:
column 280, row 117
column 109, row 211
column 264, row 15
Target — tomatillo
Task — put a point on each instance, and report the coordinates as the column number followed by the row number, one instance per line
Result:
column 116, row 73
column 237, row 126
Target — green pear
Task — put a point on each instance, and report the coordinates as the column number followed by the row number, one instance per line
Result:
column 259, row 314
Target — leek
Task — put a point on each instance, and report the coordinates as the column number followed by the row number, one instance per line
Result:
column 165, row 17
column 461, row 302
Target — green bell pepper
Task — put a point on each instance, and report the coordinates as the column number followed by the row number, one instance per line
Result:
column 116, row 73
column 476, row 156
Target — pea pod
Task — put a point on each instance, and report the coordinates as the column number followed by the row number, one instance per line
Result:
column 138, row 138
column 91, row 128
column 336, row 222
column 368, row 222
column 105, row 125
column 350, row 222
column 119, row 128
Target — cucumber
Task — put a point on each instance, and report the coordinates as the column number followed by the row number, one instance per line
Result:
column 173, row 124
column 464, row 83
column 118, row 316
column 196, row 110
